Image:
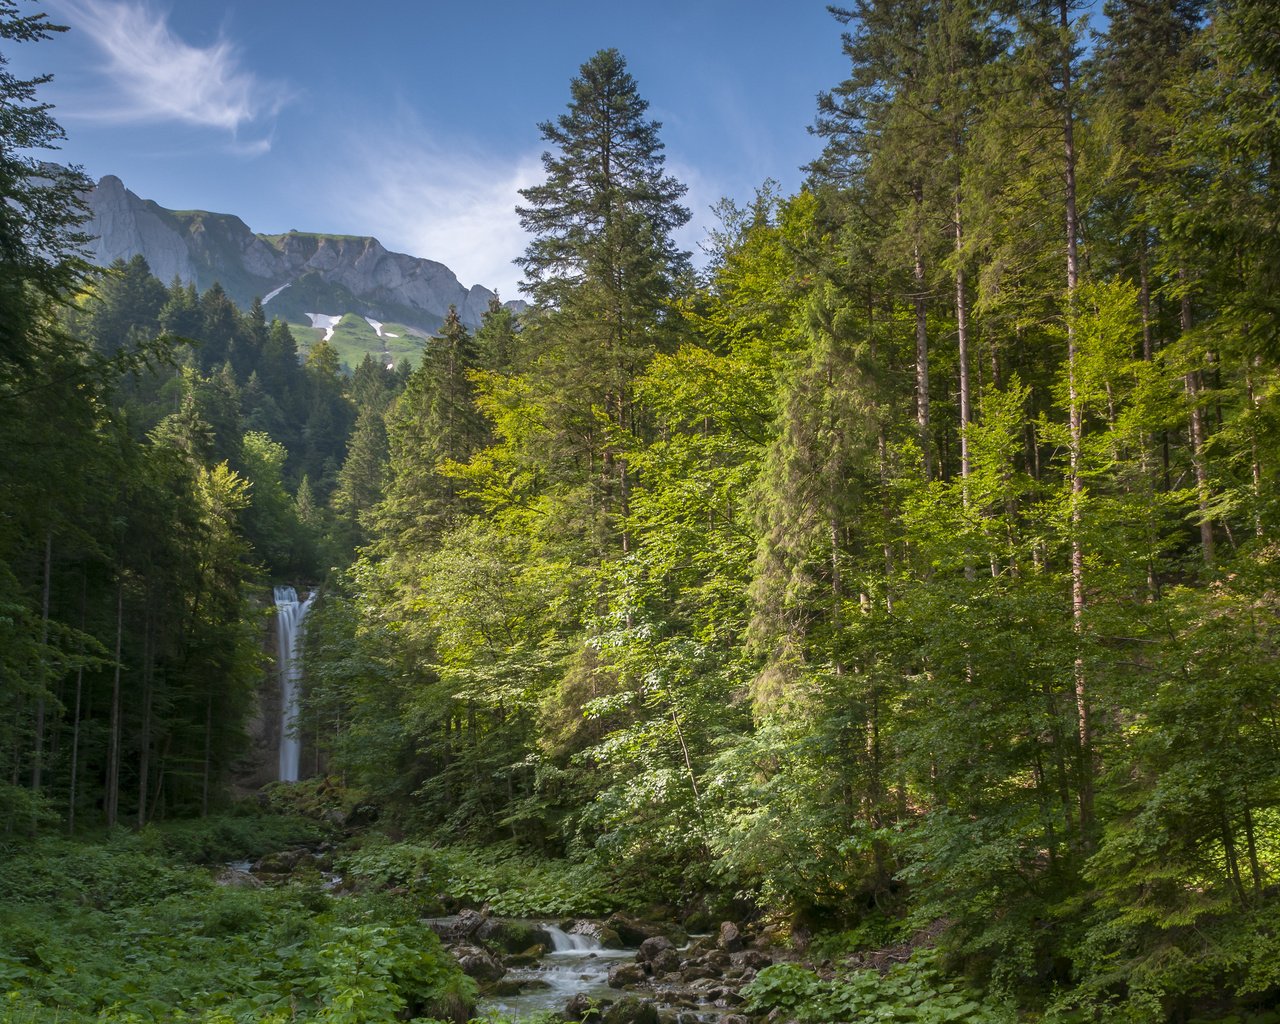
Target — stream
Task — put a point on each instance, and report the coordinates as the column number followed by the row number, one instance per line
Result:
column 575, row 964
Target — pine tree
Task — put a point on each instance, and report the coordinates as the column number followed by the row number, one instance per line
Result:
column 42, row 256
column 603, row 268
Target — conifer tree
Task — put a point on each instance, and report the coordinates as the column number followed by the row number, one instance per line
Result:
column 42, row 256
column 603, row 267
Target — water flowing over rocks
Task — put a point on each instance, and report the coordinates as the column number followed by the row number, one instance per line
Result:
column 566, row 968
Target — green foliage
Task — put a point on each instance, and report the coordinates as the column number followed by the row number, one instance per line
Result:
column 509, row 883
column 914, row 991
column 121, row 932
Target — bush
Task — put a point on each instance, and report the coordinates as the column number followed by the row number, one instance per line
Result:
column 913, row 992
column 511, row 884
column 121, row 932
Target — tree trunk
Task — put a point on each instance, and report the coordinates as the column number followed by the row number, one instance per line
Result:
column 962, row 355
column 1191, row 383
column 922, row 351
column 112, row 796
column 1077, row 424
column 37, row 754
column 75, row 717
column 144, row 739
column 208, row 752
column 1255, row 462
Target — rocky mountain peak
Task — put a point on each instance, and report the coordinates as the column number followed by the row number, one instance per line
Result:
column 296, row 272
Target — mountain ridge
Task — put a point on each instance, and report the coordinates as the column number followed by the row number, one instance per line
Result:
column 296, row 273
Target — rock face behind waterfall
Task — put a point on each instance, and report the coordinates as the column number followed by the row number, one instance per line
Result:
column 301, row 272
column 260, row 763
column 291, row 616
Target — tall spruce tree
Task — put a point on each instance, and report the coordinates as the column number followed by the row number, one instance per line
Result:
column 603, row 267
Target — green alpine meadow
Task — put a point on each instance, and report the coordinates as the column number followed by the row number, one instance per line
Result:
column 869, row 615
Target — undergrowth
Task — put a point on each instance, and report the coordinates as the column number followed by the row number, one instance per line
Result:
column 508, row 882
column 133, row 931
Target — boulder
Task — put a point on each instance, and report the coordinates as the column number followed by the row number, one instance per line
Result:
column 730, row 938
column 234, row 878
column 718, row 959
column 478, row 963
column 507, row 987
column 467, row 923
column 506, row 934
column 652, row 946
column 623, row 975
column 631, row 930
column 526, row 957
column 610, row 939
column 281, row 862
column 607, row 937
column 580, row 1008
column 752, row 958
column 666, row 961
column 631, row 1010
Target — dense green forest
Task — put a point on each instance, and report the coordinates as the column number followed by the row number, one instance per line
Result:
column 906, row 574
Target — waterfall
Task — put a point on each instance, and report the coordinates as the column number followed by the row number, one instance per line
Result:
column 564, row 942
column 290, row 615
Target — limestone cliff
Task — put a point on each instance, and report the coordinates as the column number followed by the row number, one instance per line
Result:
column 295, row 273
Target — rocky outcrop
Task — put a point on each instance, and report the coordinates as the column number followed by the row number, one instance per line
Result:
column 478, row 963
column 122, row 225
column 331, row 273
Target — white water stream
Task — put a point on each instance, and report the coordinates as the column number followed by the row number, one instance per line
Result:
column 290, row 617
column 576, row 963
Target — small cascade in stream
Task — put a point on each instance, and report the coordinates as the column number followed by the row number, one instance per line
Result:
column 576, row 964
column 563, row 942
column 290, row 616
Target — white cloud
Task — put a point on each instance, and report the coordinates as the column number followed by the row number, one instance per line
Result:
column 156, row 77
column 703, row 193
column 445, row 204
column 457, row 205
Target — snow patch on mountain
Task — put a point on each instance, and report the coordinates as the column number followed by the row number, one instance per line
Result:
column 325, row 322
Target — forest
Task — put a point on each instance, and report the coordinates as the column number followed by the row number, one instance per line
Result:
column 901, row 577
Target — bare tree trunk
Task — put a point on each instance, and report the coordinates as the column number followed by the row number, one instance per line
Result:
column 1192, row 385
column 208, row 755
column 1144, row 278
column 1077, row 425
column 922, row 351
column 144, row 740
column 37, row 755
column 75, row 718
column 1255, row 462
column 962, row 355
column 112, row 796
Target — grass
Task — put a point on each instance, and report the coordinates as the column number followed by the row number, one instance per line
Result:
column 354, row 338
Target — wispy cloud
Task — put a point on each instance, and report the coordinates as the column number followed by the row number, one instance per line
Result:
column 154, row 76
column 703, row 193
column 458, row 207
column 446, row 204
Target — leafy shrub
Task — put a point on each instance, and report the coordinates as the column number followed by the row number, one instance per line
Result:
column 117, row 932
column 512, row 884
column 912, row 992
column 118, row 873
column 223, row 838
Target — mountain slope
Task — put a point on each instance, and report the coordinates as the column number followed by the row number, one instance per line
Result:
column 296, row 273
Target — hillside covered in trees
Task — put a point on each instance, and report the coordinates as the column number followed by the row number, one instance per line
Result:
column 906, row 577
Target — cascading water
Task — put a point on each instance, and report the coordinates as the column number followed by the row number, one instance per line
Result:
column 290, row 616
column 575, row 964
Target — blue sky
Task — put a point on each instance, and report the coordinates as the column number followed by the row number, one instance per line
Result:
column 416, row 122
